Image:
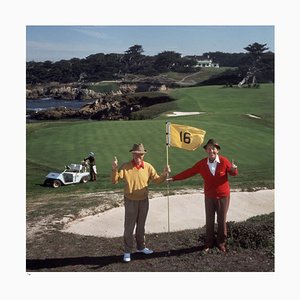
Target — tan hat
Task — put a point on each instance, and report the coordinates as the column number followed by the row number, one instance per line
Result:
column 138, row 148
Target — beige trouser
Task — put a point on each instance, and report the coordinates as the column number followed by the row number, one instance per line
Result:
column 135, row 216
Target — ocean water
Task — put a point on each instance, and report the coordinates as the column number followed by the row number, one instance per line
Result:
column 48, row 103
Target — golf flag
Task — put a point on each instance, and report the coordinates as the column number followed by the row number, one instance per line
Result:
column 185, row 137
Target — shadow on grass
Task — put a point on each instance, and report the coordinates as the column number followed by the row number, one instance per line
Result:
column 99, row 262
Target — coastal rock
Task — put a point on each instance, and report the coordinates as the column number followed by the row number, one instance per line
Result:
column 105, row 108
column 77, row 91
column 67, row 92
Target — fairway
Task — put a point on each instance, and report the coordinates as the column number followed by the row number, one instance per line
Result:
column 247, row 140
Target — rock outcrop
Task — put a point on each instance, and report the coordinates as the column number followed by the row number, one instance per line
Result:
column 118, row 107
column 76, row 91
column 62, row 92
column 112, row 105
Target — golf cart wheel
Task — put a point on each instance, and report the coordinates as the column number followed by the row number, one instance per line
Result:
column 85, row 179
column 56, row 184
column 47, row 182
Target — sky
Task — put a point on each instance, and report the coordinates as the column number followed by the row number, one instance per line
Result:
column 65, row 42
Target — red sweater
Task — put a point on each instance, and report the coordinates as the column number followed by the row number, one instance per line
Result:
column 214, row 186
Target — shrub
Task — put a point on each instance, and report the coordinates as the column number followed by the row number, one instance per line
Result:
column 254, row 233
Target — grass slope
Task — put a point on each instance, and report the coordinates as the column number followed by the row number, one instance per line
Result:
column 52, row 145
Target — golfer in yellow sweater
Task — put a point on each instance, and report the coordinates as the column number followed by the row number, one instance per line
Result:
column 137, row 175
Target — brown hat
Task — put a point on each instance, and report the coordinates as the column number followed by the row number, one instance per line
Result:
column 212, row 142
column 138, row 148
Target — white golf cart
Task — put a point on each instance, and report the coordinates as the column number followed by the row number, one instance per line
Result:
column 73, row 173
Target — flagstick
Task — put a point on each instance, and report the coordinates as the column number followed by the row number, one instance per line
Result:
column 168, row 201
column 168, row 192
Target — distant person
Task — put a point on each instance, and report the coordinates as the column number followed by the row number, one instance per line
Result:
column 91, row 160
column 214, row 169
column 137, row 174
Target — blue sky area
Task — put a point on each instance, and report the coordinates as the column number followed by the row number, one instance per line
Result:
column 65, row 42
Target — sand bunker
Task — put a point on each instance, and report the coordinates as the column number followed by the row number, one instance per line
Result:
column 185, row 211
column 253, row 116
column 181, row 113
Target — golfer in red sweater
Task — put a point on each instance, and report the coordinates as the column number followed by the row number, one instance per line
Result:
column 214, row 169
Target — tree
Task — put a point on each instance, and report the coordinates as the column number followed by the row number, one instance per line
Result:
column 134, row 51
column 100, row 66
column 253, row 64
column 167, row 61
column 225, row 59
column 133, row 58
column 256, row 49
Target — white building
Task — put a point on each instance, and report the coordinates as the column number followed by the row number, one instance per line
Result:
column 206, row 63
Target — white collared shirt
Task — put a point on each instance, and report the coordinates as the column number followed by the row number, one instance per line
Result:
column 213, row 166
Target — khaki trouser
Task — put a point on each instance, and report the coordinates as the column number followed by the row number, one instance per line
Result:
column 135, row 216
column 220, row 207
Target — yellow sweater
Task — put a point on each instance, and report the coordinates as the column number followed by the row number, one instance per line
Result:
column 136, row 181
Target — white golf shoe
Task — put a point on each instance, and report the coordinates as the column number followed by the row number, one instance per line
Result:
column 126, row 257
column 145, row 251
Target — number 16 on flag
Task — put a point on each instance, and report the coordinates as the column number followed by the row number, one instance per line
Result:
column 185, row 137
